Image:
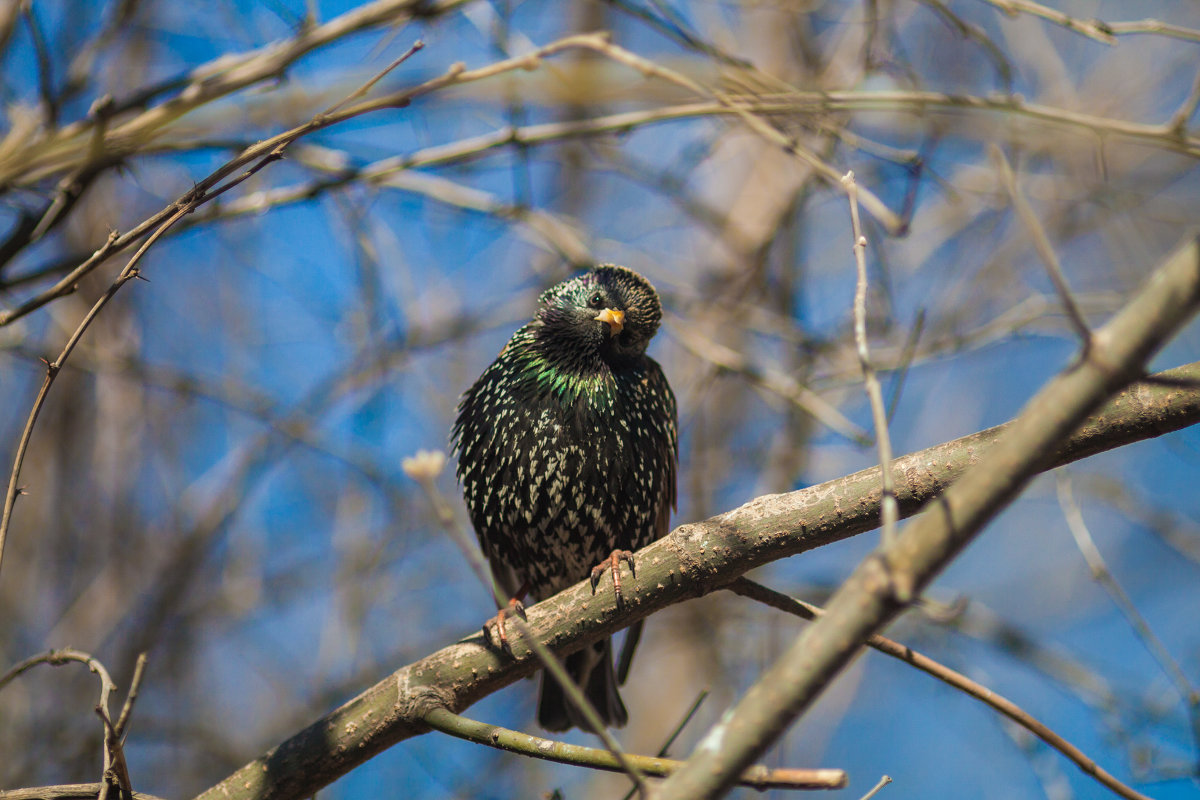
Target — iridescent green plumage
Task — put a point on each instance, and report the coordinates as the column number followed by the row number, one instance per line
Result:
column 565, row 386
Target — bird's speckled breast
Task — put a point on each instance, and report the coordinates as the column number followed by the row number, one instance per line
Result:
column 557, row 479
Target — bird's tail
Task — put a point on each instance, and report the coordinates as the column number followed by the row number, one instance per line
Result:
column 592, row 669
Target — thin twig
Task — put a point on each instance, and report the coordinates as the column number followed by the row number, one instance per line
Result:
column 362, row 91
column 1041, row 243
column 114, row 735
column 757, row 777
column 135, row 685
column 57, row 658
column 756, row 123
column 52, row 369
column 116, row 771
column 884, row 781
column 889, row 508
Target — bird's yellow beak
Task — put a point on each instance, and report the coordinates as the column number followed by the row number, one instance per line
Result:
column 615, row 319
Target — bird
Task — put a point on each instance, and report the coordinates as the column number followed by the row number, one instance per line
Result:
column 567, row 450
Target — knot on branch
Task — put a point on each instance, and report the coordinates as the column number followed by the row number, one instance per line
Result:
column 413, row 702
column 692, row 545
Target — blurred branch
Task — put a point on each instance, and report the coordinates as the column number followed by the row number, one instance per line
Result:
column 1103, row 575
column 869, row 598
column 693, row 560
column 756, row 777
column 159, row 589
column 1004, row 67
column 1175, row 531
column 1103, row 32
column 1041, row 243
column 729, row 360
column 756, row 123
column 45, row 79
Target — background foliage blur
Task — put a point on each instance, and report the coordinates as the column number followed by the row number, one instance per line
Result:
column 215, row 476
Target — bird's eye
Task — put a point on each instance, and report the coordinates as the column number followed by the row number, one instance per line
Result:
column 596, row 300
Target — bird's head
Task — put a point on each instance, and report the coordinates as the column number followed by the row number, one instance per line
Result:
column 608, row 311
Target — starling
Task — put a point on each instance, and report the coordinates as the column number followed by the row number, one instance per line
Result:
column 566, row 454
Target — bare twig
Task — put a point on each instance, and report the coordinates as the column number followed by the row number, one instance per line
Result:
column 363, row 90
column 757, row 777
column 756, row 123
column 52, row 369
column 116, row 771
column 1041, row 243
column 135, row 686
column 884, row 781
column 57, row 658
column 890, row 509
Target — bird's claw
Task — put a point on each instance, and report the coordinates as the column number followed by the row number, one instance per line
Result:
column 613, row 562
column 500, row 638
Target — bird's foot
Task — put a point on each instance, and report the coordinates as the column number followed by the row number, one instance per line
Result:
column 500, row 638
column 613, row 562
